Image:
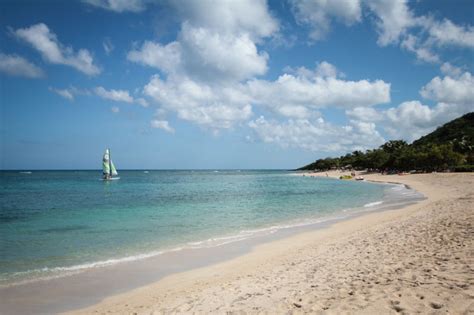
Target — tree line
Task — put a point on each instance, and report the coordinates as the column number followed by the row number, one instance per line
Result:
column 449, row 147
column 397, row 155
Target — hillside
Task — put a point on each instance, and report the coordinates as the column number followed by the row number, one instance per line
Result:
column 449, row 147
column 459, row 132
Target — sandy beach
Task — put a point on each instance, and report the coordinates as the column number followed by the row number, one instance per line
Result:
column 419, row 259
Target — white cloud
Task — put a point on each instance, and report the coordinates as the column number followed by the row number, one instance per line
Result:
column 215, row 107
column 162, row 124
column 119, row 5
column 451, row 90
column 393, row 18
column 217, row 41
column 211, row 55
column 115, row 109
column 204, row 70
column 317, row 135
column 310, row 90
column 66, row 93
column 251, row 17
column 114, row 95
column 446, row 33
column 450, row 70
column 295, row 96
column 364, row 114
column 411, row 120
column 326, row 70
column 46, row 42
column 422, row 35
column 422, row 52
column 208, row 75
column 318, row 14
column 19, row 66
column 108, row 46
column 164, row 57
column 119, row 96
column 204, row 54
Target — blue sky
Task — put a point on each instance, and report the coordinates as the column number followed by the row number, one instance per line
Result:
column 226, row 84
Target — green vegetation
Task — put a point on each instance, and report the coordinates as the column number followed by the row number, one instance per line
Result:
column 450, row 147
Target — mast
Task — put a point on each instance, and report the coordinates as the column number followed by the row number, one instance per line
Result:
column 110, row 164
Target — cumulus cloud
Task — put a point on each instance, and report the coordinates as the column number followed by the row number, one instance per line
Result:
column 203, row 72
column 447, row 33
column 211, row 106
column 118, row 96
column 18, row 66
column 164, row 57
column 297, row 95
column 162, row 124
column 451, row 70
column 413, row 119
column 212, row 55
column 42, row 39
column 119, row 5
column 204, row 54
column 451, row 90
column 397, row 24
column 422, row 52
column 229, row 17
column 114, row 95
column 317, row 135
column 393, row 18
column 318, row 14
column 217, row 41
column 316, row 89
column 209, row 74
column 364, row 114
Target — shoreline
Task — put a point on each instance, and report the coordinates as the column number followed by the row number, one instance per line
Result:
column 83, row 288
column 138, row 286
column 250, row 283
column 293, row 226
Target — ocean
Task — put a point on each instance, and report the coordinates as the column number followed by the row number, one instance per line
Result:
column 56, row 222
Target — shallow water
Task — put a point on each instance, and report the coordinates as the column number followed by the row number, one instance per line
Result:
column 52, row 222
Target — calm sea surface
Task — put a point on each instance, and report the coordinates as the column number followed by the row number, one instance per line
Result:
column 64, row 221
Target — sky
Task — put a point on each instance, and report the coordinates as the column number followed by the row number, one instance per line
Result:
column 245, row 84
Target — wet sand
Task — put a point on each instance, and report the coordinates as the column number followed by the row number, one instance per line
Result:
column 419, row 259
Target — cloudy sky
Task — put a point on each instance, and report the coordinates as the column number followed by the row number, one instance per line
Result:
column 226, row 84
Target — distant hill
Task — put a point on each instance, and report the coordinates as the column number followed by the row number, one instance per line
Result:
column 449, row 147
column 459, row 132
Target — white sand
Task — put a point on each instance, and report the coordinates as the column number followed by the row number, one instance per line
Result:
column 419, row 259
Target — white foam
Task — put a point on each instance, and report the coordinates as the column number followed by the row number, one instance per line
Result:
column 373, row 204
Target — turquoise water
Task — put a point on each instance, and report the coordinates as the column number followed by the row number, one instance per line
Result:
column 56, row 221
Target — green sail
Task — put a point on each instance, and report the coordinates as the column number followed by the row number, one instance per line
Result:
column 106, row 162
column 114, row 171
column 105, row 167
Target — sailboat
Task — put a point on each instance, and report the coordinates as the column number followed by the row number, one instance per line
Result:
column 108, row 168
